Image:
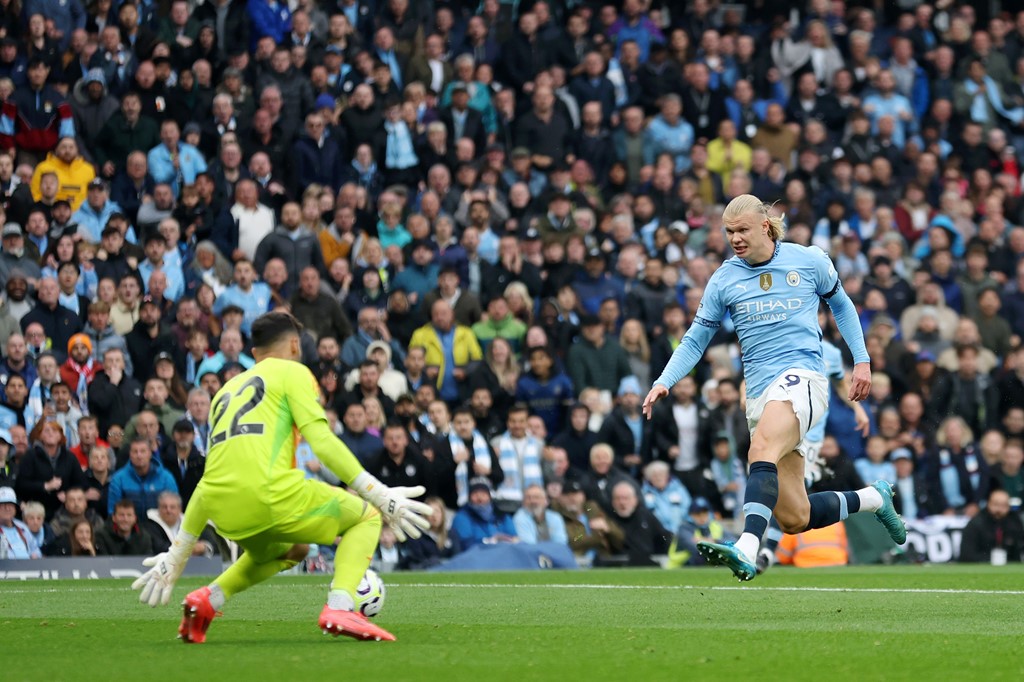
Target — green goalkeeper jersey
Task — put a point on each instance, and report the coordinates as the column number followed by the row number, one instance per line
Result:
column 251, row 482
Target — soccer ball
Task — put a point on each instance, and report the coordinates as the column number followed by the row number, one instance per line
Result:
column 370, row 594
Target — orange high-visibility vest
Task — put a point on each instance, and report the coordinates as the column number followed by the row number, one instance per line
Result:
column 817, row 547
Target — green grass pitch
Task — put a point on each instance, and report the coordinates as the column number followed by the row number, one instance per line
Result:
column 877, row 623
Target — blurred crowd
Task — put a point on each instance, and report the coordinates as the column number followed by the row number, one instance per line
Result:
column 495, row 220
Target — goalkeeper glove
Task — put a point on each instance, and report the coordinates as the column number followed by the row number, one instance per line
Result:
column 405, row 516
column 158, row 582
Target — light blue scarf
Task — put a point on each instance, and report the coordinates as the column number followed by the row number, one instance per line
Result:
column 518, row 479
column 992, row 92
column 400, row 151
column 481, row 453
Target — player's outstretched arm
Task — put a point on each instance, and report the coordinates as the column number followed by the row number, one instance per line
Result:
column 406, row 516
column 685, row 357
column 849, row 326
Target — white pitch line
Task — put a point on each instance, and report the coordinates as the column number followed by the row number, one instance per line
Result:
column 557, row 586
column 571, row 586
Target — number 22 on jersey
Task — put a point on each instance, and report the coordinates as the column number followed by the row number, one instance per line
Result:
column 237, row 427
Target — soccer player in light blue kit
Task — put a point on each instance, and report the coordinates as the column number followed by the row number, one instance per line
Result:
column 836, row 374
column 771, row 290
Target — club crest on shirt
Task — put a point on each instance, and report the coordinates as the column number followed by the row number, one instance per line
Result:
column 766, row 281
column 793, row 278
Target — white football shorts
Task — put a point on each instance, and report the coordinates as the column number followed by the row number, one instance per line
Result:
column 806, row 391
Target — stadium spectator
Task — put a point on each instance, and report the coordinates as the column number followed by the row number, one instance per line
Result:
column 910, row 487
column 535, row 522
column 16, row 541
column 183, row 460
column 49, row 470
column 400, row 463
column 448, row 348
column 479, row 521
column 164, row 522
column 992, row 529
column 114, row 395
column 364, row 445
column 698, row 525
column 16, row 361
column 139, row 483
column 75, row 509
column 664, row 495
column 121, row 536
column 644, row 535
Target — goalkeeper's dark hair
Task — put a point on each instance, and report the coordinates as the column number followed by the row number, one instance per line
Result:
column 272, row 327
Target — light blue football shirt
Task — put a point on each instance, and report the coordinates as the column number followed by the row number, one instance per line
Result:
column 834, row 370
column 774, row 307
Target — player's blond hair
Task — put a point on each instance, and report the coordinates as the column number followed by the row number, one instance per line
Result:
column 748, row 204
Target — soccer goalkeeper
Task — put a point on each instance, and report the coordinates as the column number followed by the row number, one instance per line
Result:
column 256, row 497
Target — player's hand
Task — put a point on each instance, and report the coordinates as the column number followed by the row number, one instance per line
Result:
column 863, row 423
column 860, row 386
column 157, row 584
column 657, row 393
column 406, row 517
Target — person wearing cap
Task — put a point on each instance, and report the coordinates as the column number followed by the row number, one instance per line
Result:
column 597, row 360
column 592, row 535
column 16, row 541
column 698, row 525
column 594, row 284
column 149, row 337
column 479, row 522
column 625, row 429
column 911, row 489
column 93, row 215
column 391, row 382
column 182, row 459
column 13, row 257
column 80, row 367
